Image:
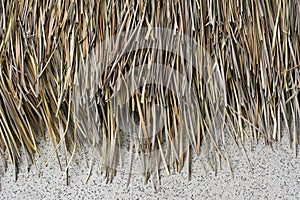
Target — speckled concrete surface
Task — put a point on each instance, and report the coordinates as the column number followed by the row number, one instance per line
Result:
column 275, row 174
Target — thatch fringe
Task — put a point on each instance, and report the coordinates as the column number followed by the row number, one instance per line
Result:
column 253, row 47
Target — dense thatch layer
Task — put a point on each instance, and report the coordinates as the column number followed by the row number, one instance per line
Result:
column 252, row 54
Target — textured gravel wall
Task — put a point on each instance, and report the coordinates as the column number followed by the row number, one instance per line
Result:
column 275, row 175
